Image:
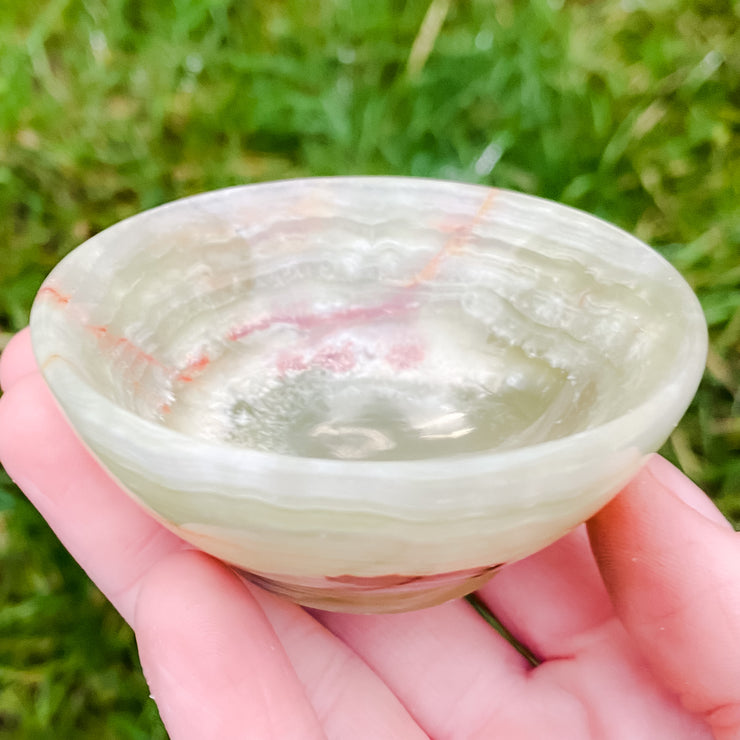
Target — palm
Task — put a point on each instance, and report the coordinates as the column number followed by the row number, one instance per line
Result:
column 457, row 678
column 225, row 659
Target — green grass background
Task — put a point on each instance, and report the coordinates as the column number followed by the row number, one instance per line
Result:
column 629, row 110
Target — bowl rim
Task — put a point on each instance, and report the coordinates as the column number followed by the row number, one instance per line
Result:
column 632, row 429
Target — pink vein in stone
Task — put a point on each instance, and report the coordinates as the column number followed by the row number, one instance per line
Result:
column 340, row 359
column 455, row 243
column 113, row 341
column 54, row 294
column 324, row 320
column 337, row 359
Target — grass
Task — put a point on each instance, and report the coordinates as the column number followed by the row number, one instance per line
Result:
column 629, row 110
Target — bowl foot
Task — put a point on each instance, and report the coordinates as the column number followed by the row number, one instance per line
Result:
column 374, row 595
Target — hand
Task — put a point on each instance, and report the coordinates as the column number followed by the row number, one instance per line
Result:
column 640, row 639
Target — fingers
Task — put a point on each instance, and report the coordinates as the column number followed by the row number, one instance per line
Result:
column 225, row 660
column 672, row 568
column 451, row 671
column 549, row 600
column 17, row 359
column 197, row 624
column 349, row 698
column 214, row 664
column 686, row 490
column 107, row 533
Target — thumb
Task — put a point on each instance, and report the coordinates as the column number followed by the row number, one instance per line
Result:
column 17, row 359
column 671, row 564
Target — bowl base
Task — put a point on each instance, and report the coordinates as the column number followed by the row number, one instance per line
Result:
column 375, row 595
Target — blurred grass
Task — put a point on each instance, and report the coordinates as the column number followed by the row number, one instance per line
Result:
column 630, row 110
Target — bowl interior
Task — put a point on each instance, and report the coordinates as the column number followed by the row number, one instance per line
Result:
column 371, row 319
